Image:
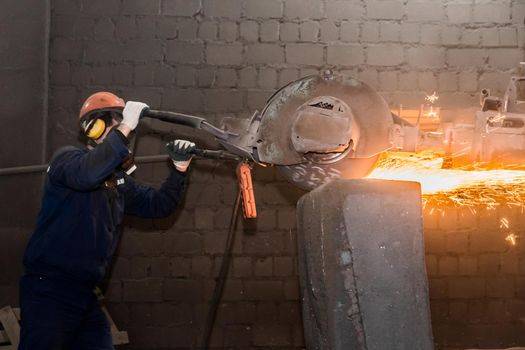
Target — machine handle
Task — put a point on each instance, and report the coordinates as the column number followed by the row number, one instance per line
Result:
column 187, row 120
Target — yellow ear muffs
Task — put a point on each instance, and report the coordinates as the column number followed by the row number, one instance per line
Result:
column 95, row 129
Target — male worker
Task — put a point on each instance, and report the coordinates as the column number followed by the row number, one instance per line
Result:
column 86, row 194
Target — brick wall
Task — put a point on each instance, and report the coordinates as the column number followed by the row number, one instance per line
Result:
column 219, row 58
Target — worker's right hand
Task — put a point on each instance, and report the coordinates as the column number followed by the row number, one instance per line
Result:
column 131, row 113
column 181, row 152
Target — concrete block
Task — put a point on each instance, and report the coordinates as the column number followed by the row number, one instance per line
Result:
column 289, row 32
column 408, row 81
column 256, row 100
column 505, row 58
column 385, row 55
column 247, row 77
column 180, row 267
column 425, row 11
column 228, row 31
column 448, row 265
column 264, row 243
column 426, row 57
column 183, row 243
column 231, row 9
column 427, row 81
column 471, row 38
column 226, row 77
column 179, row 52
column 125, row 28
column 450, row 36
column 187, row 29
column 283, row 266
column 286, row 218
column 389, row 9
column 267, row 79
column 410, row 32
column 501, row 287
column 302, row 9
column 184, row 100
column 224, row 54
column 291, row 289
column 166, row 28
column 345, row 55
column 448, row 81
column 492, row 12
column 304, row 54
column 430, row 34
column 431, row 264
column 263, row 267
column 160, row 267
column 249, row 31
column 269, row 31
column 468, row 265
column 104, row 28
column 139, row 7
column 186, row 8
column 264, row 54
column 242, row 267
column 389, row 32
column 201, row 266
column 98, row 7
column 466, row 57
column 388, row 81
column 489, row 37
column 340, row 9
column 350, row 32
column 147, row 290
column 370, row 32
column 272, row 335
column 183, row 290
column 266, row 290
column 457, row 242
column 370, row 77
column 466, row 287
column 488, row 264
column 328, row 31
column 459, row 12
column 508, row 36
column 468, row 81
column 263, row 9
column 186, row 76
column 208, row 30
column 309, row 31
column 224, row 100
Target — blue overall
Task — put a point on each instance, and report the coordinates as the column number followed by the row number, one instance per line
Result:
column 76, row 234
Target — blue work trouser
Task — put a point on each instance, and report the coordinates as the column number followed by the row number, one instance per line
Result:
column 56, row 315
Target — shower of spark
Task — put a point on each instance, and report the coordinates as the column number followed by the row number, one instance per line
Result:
column 432, row 98
column 454, row 187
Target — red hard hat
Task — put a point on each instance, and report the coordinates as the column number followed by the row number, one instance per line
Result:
column 101, row 101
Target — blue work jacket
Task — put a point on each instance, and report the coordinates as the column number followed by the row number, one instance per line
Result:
column 80, row 219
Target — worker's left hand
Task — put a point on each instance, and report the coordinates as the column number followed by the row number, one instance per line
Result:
column 181, row 152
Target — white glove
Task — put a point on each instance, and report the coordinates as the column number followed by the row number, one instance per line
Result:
column 181, row 152
column 131, row 113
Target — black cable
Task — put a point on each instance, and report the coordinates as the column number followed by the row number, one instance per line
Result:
column 223, row 274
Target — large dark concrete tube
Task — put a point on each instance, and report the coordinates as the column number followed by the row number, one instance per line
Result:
column 362, row 269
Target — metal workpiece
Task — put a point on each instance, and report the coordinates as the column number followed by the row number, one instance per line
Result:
column 361, row 266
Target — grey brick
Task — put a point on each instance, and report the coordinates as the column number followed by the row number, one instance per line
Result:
column 518, row 13
column 463, row 287
column 140, row 7
column 186, row 76
column 201, row 266
column 468, row 81
column 183, row 290
column 263, row 267
column 408, row 81
column 263, row 9
column 424, row 11
column 370, row 32
column 272, row 335
column 103, row 52
column 184, row 100
column 263, row 243
column 350, row 32
column 328, row 31
column 340, row 9
column 448, row 265
column 267, row 78
column 256, row 100
column 471, row 38
column 104, row 28
column 186, row 8
column 505, row 58
column 224, row 54
column 389, row 31
column 466, row 57
column 385, row 55
column 289, row 32
column 410, row 32
column 166, row 28
column 430, row 34
column 249, row 31
column 450, row 35
column 309, row 31
column 125, row 28
column 283, row 266
column 492, row 12
column 223, row 9
column 183, row 243
column 179, row 52
column 501, row 287
column 448, row 81
column 264, row 290
column 301, row 9
column 388, row 81
column 489, row 37
column 228, row 31
column 208, row 30
column 187, row 29
column 459, row 13
column 508, row 36
column 269, row 31
column 123, row 74
column 242, row 267
column 247, row 77
column 223, row 100
column 226, row 77
column 148, row 290
column 98, row 7
column 304, row 54
column 67, row 49
column 389, row 9
column 426, row 57
column 346, row 55
column 370, row 77
column 265, row 53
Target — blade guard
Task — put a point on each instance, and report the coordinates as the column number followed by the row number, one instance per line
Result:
column 244, row 175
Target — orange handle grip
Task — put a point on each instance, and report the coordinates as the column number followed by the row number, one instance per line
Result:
column 244, row 175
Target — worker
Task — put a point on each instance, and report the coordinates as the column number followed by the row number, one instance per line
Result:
column 87, row 192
